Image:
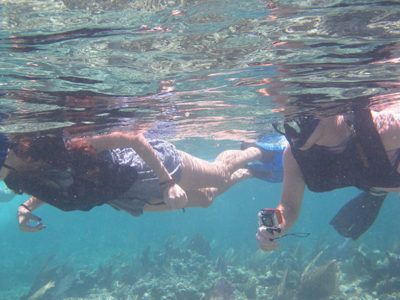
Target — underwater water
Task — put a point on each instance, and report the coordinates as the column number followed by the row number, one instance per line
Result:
column 204, row 75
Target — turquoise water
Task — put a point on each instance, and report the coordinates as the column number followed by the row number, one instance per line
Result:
column 204, row 75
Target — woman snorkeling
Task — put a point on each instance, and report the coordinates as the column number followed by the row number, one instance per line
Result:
column 360, row 148
column 122, row 169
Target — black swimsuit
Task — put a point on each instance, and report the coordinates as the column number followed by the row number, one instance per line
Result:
column 363, row 163
column 78, row 186
column 118, row 177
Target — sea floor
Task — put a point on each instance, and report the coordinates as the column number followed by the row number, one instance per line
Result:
column 190, row 269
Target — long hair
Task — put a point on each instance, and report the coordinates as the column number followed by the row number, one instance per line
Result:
column 68, row 176
column 52, row 150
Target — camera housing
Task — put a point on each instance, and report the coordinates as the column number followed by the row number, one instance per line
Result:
column 271, row 218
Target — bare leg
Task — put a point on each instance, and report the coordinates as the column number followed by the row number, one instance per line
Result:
column 198, row 173
column 203, row 180
column 204, row 197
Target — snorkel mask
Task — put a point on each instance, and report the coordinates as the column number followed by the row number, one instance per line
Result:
column 298, row 130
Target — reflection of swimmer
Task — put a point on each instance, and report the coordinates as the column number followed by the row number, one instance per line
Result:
column 121, row 169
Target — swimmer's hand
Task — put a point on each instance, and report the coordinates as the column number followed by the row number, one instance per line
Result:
column 175, row 197
column 265, row 239
column 28, row 221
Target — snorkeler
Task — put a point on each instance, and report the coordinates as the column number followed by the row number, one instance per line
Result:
column 353, row 219
column 121, row 169
column 358, row 149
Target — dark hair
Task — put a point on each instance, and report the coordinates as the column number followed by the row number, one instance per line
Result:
column 51, row 149
column 68, row 177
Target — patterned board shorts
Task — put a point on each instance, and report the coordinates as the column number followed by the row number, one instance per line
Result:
column 146, row 189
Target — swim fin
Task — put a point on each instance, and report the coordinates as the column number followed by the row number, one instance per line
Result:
column 357, row 215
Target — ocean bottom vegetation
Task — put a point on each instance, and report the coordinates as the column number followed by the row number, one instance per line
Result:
column 189, row 268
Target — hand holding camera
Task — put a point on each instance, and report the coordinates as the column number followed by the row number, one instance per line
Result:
column 272, row 219
column 270, row 228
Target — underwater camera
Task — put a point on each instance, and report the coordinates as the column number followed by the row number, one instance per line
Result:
column 270, row 218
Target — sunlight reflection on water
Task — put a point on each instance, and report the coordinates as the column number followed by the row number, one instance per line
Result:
column 231, row 66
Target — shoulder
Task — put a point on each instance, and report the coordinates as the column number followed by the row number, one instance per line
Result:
column 387, row 123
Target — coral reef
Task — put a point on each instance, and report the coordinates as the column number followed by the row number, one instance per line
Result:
column 319, row 282
column 190, row 269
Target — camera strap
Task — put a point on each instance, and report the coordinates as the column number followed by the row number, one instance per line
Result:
column 296, row 234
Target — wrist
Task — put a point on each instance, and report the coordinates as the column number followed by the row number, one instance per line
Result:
column 25, row 207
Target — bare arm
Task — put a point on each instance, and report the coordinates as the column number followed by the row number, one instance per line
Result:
column 174, row 195
column 136, row 141
column 292, row 195
column 33, row 203
column 25, row 215
column 293, row 189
